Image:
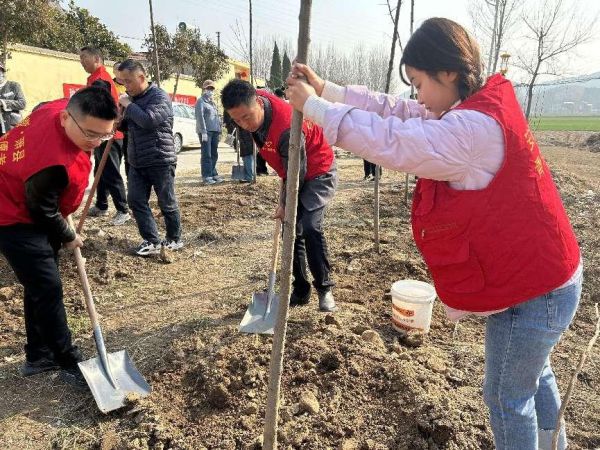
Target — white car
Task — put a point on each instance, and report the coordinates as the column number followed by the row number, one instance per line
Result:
column 184, row 127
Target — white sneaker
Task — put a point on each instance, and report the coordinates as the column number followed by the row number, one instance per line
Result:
column 94, row 211
column 208, row 180
column 120, row 218
column 218, row 179
column 147, row 248
column 172, row 245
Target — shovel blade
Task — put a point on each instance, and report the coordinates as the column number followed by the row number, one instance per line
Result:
column 237, row 173
column 255, row 321
column 127, row 378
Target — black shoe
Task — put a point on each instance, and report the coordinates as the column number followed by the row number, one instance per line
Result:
column 300, row 297
column 41, row 365
column 73, row 376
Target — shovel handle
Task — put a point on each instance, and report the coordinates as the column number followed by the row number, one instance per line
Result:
column 89, row 300
column 276, row 234
column 97, row 176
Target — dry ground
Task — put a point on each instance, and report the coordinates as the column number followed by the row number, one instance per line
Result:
column 342, row 388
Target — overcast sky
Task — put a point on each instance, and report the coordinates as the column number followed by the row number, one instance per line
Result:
column 346, row 23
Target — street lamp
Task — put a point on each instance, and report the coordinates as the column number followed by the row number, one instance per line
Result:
column 504, row 64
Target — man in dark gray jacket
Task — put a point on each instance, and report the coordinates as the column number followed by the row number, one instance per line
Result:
column 12, row 102
column 148, row 117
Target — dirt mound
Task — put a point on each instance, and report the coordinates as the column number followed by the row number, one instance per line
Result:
column 593, row 142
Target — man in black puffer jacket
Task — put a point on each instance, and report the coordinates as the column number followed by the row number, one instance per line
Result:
column 148, row 117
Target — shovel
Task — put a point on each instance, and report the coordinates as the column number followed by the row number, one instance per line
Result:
column 110, row 376
column 262, row 312
column 237, row 171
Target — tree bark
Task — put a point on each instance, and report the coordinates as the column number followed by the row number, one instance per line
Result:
column 289, row 234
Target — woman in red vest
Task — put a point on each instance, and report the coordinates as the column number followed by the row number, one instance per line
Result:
column 44, row 171
column 486, row 214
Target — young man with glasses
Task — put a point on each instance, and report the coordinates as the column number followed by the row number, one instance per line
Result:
column 111, row 181
column 44, row 171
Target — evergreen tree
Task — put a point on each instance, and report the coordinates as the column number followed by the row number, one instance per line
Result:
column 275, row 80
column 286, row 67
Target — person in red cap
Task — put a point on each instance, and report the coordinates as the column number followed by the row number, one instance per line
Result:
column 111, row 181
column 44, row 171
column 208, row 127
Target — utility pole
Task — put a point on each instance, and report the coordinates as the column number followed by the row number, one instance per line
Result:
column 219, row 39
column 157, row 73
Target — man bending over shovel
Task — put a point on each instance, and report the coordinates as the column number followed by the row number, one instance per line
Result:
column 44, row 171
column 268, row 118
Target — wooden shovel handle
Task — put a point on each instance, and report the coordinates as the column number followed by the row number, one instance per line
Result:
column 90, row 197
column 276, row 234
column 89, row 300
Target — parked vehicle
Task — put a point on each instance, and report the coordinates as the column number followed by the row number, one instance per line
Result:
column 184, row 127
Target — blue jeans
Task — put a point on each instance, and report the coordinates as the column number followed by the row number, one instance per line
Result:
column 519, row 387
column 248, row 167
column 210, row 154
column 140, row 183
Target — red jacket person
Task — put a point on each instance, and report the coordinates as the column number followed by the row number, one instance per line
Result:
column 44, row 171
column 268, row 118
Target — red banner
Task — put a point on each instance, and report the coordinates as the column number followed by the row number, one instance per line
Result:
column 69, row 89
column 186, row 99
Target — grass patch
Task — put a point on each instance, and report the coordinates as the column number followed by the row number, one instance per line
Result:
column 588, row 123
column 79, row 323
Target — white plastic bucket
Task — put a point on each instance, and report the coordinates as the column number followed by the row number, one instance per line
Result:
column 412, row 304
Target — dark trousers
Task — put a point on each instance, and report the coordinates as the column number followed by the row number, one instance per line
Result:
column 34, row 260
column 261, row 165
column 310, row 246
column 369, row 168
column 140, row 183
column 111, row 181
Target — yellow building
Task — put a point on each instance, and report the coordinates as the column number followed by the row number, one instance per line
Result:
column 45, row 74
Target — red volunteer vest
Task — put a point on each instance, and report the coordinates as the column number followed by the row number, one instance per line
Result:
column 319, row 155
column 36, row 143
column 102, row 74
column 512, row 241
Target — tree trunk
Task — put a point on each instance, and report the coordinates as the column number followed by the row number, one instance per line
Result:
column 289, row 234
column 529, row 97
column 493, row 43
column 176, row 84
column 251, row 65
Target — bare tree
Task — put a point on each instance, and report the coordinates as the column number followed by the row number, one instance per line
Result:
column 553, row 30
column 492, row 21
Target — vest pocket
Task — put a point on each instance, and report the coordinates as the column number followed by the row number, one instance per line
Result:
column 453, row 266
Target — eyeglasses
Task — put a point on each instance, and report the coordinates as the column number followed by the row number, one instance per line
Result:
column 91, row 137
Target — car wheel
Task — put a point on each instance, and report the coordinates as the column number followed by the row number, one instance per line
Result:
column 177, row 140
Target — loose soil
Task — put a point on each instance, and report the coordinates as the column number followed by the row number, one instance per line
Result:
column 350, row 381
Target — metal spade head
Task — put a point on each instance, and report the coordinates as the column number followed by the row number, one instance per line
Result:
column 257, row 319
column 127, row 379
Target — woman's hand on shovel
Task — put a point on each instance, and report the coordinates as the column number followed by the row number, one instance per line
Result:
column 279, row 213
column 72, row 245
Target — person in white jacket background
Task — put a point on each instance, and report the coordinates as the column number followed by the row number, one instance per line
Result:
column 486, row 214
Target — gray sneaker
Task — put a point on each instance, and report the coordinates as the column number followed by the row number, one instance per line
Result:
column 94, row 211
column 172, row 244
column 218, row 179
column 326, row 301
column 208, row 180
column 120, row 218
